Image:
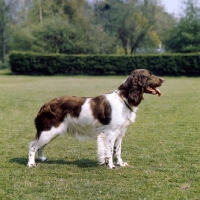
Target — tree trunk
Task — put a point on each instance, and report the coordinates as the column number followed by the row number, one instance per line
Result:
column 40, row 9
column 3, row 45
column 123, row 37
column 135, row 45
column 3, row 32
column 125, row 49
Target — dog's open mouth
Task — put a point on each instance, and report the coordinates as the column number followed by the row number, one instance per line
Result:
column 153, row 91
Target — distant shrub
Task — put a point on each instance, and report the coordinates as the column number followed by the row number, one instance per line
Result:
column 50, row 64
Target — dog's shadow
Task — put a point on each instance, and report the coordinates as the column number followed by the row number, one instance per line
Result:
column 82, row 163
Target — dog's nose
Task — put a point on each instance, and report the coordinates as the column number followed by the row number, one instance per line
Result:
column 162, row 79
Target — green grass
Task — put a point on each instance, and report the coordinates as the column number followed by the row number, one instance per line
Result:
column 162, row 147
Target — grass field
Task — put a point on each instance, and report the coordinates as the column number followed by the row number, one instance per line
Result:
column 162, row 147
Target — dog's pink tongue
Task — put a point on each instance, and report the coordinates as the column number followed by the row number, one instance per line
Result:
column 158, row 92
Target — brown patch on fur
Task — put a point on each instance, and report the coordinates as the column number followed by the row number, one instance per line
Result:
column 101, row 109
column 136, row 84
column 54, row 112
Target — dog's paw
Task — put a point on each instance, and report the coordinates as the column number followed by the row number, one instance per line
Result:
column 123, row 164
column 109, row 163
column 42, row 159
column 32, row 165
column 111, row 166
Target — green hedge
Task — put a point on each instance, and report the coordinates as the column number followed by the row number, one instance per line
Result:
column 164, row 64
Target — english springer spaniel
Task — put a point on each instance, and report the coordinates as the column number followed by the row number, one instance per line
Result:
column 104, row 118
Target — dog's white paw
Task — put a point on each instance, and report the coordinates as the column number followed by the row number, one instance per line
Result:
column 32, row 165
column 123, row 164
column 109, row 163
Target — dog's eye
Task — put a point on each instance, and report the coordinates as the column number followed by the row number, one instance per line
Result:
column 147, row 77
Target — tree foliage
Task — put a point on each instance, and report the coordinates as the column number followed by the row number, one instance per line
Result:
column 132, row 22
column 82, row 26
column 3, row 25
column 185, row 36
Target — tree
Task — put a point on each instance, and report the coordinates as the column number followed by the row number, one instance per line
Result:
column 22, row 39
column 80, row 27
column 185, row 36
column 3, row 23
column 54, row 35
column 67, row 27
column 164, row 23
column 142, row 33
column 10, row 14
column 132, row 21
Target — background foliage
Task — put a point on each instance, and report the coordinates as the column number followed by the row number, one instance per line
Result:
column 49, row 64
column 81, row 26
column 185, row 35
column 113, row 27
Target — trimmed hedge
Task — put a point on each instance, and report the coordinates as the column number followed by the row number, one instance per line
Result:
column 50, row 64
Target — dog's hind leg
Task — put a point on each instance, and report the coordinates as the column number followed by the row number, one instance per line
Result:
column 38, row 144
column 41, row 156
column 31, row 154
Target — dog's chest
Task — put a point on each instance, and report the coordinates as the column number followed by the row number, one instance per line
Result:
column 122, row 116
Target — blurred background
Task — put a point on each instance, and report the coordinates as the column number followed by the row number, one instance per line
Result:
column 119, row 27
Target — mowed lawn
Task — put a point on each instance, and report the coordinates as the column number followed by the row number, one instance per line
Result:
column 162, row 147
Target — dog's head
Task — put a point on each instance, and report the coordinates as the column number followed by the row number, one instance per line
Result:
column 139, row 82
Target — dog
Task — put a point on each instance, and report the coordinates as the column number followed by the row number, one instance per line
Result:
column 104, row 118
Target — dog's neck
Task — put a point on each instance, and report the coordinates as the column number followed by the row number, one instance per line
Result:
column 125, row 101
column 133, row 96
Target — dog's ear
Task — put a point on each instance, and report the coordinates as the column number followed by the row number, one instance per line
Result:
column 139, row 78
column 136, row 88
column 133, row 88
column 134, row 80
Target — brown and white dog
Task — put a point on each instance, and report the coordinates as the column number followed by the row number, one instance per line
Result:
column 105, row 117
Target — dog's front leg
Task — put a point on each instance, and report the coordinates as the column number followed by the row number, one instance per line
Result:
column 110, row 140
column 117, row 151
column 101, row 148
